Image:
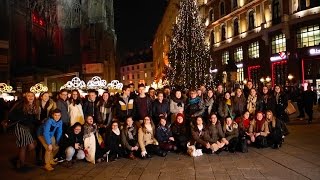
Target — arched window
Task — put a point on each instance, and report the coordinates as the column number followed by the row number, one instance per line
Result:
column 251, row 20
column 212, row 38
column 223, row 32
column 234, row 3
column 276, row 14
column 222, row 10
column 211, row 15
column 235, row 27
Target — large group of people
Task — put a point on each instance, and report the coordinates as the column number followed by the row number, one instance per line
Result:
column 139, row 124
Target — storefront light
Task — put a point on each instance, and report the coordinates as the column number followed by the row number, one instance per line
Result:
column 314, row 51
column 239, row 65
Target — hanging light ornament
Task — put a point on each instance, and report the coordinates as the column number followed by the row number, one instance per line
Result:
column 75, row 83
column 38, row 88
column 114, row 87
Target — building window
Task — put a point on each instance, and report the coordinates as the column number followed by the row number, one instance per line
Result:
column 138, row 76
column 212, row 38
column 211, row 15
column 276, row 16
column 223, row 32
column 222, row 10
column 308, row 36
column 128, row 77
column 123, row 78
column 132, row 68
column 236, row 27
column 234, row 4
column 225, row 57
column 137, row 66
column 251, row 20
column 240, row 75
column 278, row 43
column 254, row 50
column 132, row 76
column 238, row 54
column 145, row 75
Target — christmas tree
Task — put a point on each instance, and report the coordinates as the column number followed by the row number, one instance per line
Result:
column 189, row 57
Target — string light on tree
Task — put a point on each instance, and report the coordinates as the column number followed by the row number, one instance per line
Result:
column 189, row 56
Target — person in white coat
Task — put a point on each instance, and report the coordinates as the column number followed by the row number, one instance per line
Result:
column 75, row 108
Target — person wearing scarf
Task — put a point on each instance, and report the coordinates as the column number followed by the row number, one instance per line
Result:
column 239, row 103
column 199, row 136
column 176, row 105
column 180, row 133
column 113, row 142
column 259, row 130
column 231, row 132
column 215, row 136
column 129, row 138
column 195, row 107
column 226, row 108
column 147, row 141
column 164, row 136
column 253, row 102
column 275, row 136
column 267, row 100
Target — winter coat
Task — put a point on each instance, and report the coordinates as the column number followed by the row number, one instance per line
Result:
column 239, row 105
column 268, row 103
column 264, row 129
column 215, row 133
column 281, row 104
column 232, row 132
column 49, row 129
column 90, row 108
column 16, row 115
column 225, row 110
column 163, row 133
column 199, row 137
column 63, row 106
column 176, row 105
column 112, row 140
column 123, row 109
column 180, row 132
column 76, row 114
column 51, row 106
column 194, row 107
column 254, row 107
column 160, row 108
column 125, row 137
column 146, row 138
column 137, row 102
column 70, row 139
column 210, row 105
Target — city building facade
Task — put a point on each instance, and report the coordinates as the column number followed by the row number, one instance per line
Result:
column 267, row 39
column 138, row 69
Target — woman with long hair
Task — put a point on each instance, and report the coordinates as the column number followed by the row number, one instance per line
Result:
column 147, row 141
column 239, row 103
column 75, row 108
column 226, row 108
column 129, row 138
column 180, row 133
column 253, row 102
column 275, row 136
column 259, row 130
column 164, row 136
column 24, row 115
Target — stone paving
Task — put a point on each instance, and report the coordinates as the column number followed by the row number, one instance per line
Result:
column 298, row 158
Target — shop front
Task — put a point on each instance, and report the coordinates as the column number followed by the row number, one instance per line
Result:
column 279, row 68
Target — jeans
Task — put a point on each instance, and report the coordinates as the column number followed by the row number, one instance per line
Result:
column 70, row 151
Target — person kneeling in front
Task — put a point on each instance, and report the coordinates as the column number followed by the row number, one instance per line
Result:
column 72, row 144
column 49, row 134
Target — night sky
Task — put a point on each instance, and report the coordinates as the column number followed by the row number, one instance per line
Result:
column 136, row 22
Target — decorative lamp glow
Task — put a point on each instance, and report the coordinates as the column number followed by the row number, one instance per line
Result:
column 4, row 92
column 38, row 88
column 268, row 79
column 262, row 80
column 114, row 87
column 75, row 83
column 96, row 83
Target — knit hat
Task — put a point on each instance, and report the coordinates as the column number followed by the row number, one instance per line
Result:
column 180, row 114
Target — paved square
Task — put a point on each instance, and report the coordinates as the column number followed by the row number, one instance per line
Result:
column 299, row 158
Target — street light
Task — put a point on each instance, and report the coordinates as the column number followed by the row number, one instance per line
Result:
column 262, row 80
column 268, row 79
column 290, row 77
column 244, row 81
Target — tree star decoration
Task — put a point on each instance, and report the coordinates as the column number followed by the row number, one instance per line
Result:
column 39, row 88
column 4, row 88
column 115, row 86
column 96, row 83
column 75, row 83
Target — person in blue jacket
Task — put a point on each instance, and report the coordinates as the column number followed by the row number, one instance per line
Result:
column 49, row 134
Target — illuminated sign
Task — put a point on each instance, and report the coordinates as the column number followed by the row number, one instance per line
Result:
column 314, row 51
column 281, row 56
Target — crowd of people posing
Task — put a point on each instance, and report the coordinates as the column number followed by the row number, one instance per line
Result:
column 140, row 125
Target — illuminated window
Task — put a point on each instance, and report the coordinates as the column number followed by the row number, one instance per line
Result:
column 308, row 36
column 123, row 78
column 251, row 20
column 240, row 75
column 254, row 50
column 278, row 43
column 236, row 27
column 225, row 57
column 238, row 54
column 145, row 75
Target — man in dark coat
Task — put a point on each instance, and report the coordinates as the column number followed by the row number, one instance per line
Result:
column 308, row 97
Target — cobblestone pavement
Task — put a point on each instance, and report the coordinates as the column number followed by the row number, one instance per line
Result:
column 299, row 158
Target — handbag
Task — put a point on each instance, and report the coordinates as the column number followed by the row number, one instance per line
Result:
column 290, row 108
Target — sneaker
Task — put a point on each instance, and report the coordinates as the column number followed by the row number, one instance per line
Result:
column 59, row 159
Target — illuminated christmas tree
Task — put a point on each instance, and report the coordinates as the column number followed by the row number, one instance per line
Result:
column 189, row 57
